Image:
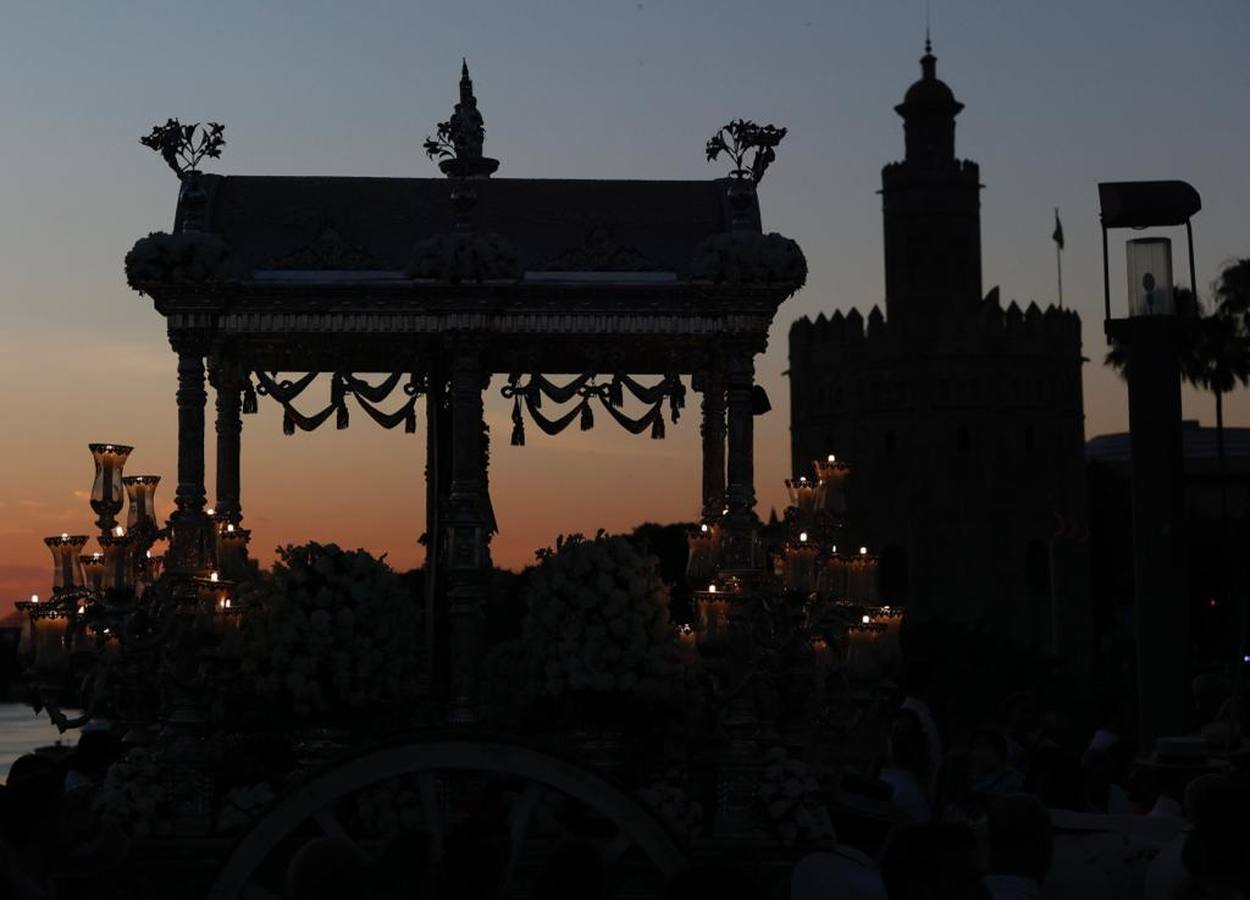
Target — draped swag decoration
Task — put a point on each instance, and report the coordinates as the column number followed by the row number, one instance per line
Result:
column 584, row 389
column 341, row 384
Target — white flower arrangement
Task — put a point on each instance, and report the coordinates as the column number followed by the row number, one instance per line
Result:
column 597, row 623
column 331, row 631
column 790, row 795
column 242, row 805
column 133, row 796
column 669, row 799
column 184, row 257
column 389, row 808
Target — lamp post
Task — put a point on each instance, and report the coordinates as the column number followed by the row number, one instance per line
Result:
column 1151, row 342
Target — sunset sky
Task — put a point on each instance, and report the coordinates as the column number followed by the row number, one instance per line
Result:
column 1059, row 95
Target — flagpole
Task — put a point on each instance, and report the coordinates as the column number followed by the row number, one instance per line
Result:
column 1059, row 269
column 1057, row 237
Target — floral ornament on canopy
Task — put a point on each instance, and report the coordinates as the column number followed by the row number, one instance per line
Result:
column 739, row 138
column 181, row 147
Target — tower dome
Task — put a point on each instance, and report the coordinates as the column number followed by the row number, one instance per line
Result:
column 928, row 109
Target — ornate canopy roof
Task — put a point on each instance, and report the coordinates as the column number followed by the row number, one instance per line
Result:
column 324, row 228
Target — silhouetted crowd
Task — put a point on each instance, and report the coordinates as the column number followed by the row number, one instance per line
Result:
column 1009, row 809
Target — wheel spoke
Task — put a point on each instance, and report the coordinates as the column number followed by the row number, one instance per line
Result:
column 521, row 815
column 333, row 828
column 433, row 817
column 617, row 847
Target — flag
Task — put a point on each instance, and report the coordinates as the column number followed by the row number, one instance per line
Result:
column 1057, row 234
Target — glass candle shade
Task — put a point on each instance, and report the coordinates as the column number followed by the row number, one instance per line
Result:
column 831, row 579
column 49, row 627
column 26, row 641
column 862, row 657
column 1149, row 263
column 832, row 476
column 822, row 653
column 118, row 562
column 699, row 563
column 799, row 567
column 66, row 569
column 141, row 494
column 152, row 566
column 107, row 492
column 806, row 495
column 92, row 570
column 232, row 544
column 861, row 580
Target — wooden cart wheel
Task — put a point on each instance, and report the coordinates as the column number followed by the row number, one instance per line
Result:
column 628, row 836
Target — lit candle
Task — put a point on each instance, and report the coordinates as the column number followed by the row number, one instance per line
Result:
column 117, row 561
column 141, row 490
column 213, row 576
column 711, row 589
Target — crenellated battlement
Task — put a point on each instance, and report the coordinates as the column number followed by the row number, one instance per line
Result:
column 985, row 328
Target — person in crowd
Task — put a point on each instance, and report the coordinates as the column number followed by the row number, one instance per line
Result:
column 30, row 826
column 933, row 862
column 842, row 873
column 1055, row 778
column 954, row 799
column 719, row 880
column 1216, row 851
column 992, row 776
column 907, row 766
column 574, row 871
column 918, row 700
column 97, row 749
column 1019, row 841
column 327, row 869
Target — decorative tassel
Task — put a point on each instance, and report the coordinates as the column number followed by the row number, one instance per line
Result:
column 288, row 424
column 616, row 392
column 340, row 418
column 588, row 415
column 535, row 391
column 410, row 420
column 249, row 397
column 657, row 426
column 518, row 423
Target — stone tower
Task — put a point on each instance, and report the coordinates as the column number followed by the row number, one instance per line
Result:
column 964, row 421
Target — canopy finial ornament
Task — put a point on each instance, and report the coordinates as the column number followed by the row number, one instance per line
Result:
column 178, row 146
column 739, row 138
column 458, row 142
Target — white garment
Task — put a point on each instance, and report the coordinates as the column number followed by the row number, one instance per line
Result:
column 843, row 873
column 908, row 795
column 1012, row 887
column 932, row 739
column 1167, row 807
column 1166, row 877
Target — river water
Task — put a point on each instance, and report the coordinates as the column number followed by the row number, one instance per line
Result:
column 21, row 731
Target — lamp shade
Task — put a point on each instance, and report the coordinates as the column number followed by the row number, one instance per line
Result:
column 107, row 493
column 66, row 568
column 1149, row 263
column 141, row 492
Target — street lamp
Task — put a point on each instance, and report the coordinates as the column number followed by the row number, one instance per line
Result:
column 1150, row 339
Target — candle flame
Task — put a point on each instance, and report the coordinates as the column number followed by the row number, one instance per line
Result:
column 149, row 554
column 711, row 589
column 119, row 531
column 34, row 598
column 230, row 528
column 865, row 619
column 863, row 551
column 211, row 511
column 802, row 535
column 212, row 576
column 64, row 536
column 832, row 458
column 703, row 528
